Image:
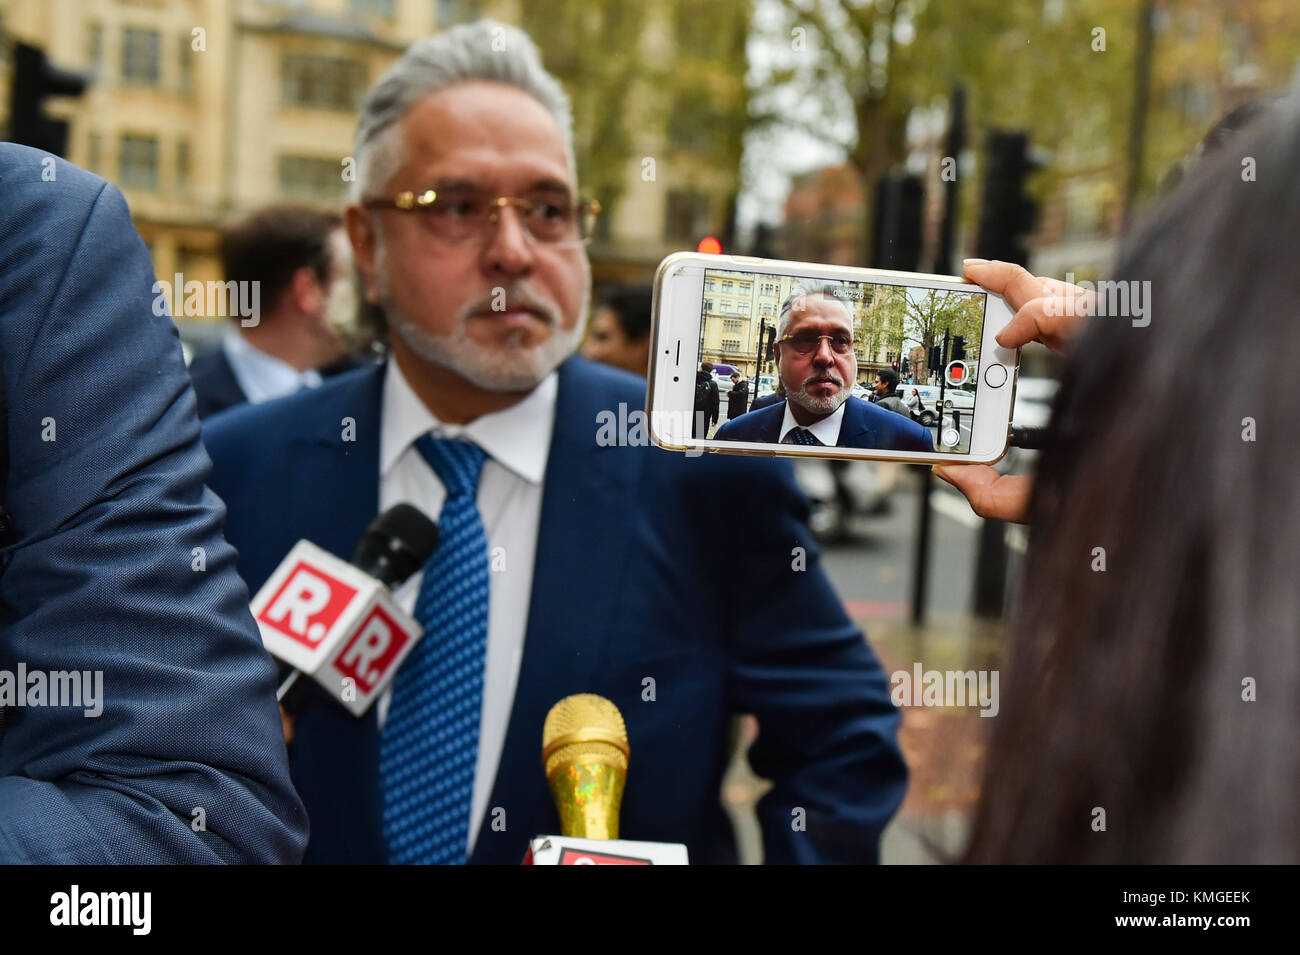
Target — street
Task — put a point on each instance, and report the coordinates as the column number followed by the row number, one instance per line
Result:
column 872, row 572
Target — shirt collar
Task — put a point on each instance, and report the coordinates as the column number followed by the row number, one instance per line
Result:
column 827, row 430
column 263, row 376
column 518, row 437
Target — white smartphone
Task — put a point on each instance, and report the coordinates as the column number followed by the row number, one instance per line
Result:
column 761, row 356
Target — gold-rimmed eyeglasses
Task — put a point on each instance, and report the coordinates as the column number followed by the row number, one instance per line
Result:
column 805, row 343
column 460, row 214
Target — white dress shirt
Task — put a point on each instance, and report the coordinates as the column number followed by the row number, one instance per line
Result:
column 264, row 376
column 827, row 430
column 517, row 442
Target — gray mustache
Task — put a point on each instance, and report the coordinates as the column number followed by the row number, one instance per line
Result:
column 519, row 298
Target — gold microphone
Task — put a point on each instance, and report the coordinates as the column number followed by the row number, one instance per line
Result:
column 584, row 748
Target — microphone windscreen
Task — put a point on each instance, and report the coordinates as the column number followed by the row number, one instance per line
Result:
column 396, row 544
column 584, row 724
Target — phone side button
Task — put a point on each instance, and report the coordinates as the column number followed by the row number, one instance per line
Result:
column 995, row 376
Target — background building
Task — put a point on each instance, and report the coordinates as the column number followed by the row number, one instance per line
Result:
column 201, row 110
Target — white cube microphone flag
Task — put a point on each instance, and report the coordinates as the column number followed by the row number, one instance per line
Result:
column 337, row 622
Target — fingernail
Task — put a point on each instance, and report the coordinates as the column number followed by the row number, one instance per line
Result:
column 974, row 261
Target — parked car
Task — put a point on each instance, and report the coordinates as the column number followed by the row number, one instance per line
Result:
column 961, row 399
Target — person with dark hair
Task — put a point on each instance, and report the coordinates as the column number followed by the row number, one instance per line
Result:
column 914, row 404
column 738, row 397
column 886, row 389
column 1152, row 672
column 708, row 401
column 619, row 332
column 298, row 260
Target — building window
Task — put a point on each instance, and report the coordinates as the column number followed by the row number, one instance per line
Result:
column 322, row 82
column 731, row 344
column 686, row 215
column 139, row 162
column 94, row 152
column 311, row 179
column 95, row 47
column 183, row 166
column 185, row 76
column 769, row 288
column 386, row 9
column 456, row 11
column 140, row 57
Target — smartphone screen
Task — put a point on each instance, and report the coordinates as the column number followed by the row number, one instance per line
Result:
column 801, row 360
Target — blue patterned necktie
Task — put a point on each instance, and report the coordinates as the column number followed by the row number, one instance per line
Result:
column 800, row 436
column 429, row 748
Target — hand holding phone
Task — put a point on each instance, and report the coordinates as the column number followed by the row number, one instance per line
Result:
column 1047, row 311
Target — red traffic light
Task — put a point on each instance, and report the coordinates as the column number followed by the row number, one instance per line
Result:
column 709, row 246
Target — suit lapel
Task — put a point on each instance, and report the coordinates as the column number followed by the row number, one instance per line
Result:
column 338, row 459
column 772, row 426
column 855, row 432
column 227, row 385
column 581, row 552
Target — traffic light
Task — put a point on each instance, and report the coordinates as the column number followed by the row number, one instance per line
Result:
column 958, row 348
column 896, row 243
column 35, row 79
column 907, row 366
column 1007, row 215
column 936, row 357
column 709, row 246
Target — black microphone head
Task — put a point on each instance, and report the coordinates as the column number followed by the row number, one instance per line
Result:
column 396, row 544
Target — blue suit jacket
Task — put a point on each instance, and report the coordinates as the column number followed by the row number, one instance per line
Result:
column 864, row 426
column 106, row 487
column 215, row 386
column 628, row 585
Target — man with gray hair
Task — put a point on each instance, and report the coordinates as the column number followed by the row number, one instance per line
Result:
column 816, row 362
column 565, row 565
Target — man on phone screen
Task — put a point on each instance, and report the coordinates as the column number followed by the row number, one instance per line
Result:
column 816, row 363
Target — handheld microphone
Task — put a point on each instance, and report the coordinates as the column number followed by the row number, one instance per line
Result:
column 585, row 752
column 338, row 623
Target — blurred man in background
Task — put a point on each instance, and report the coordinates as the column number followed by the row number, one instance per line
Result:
column 299, row 258
column 619, row 333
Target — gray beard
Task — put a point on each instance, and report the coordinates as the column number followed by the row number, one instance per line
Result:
column 819, row 406
column 510, row 368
